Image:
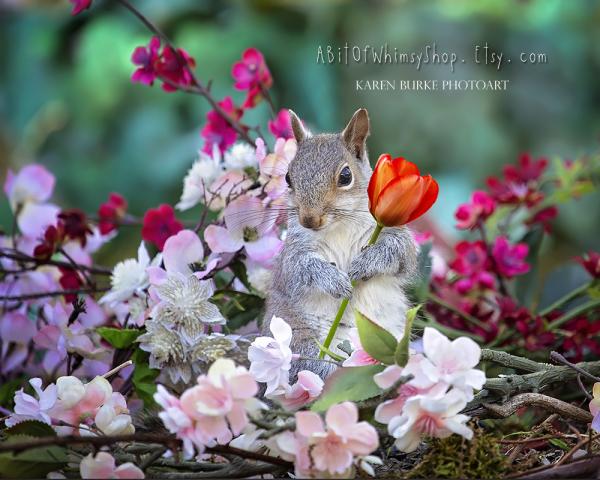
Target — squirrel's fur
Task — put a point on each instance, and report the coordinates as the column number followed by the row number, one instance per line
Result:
column 328, row 228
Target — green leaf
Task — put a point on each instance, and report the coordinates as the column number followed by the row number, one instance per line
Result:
column 241, row 309
column 119, row 337
column 376, row 341
column 401, row 354
column 348, row 384
column 7, row 392
column 33, row 428
column 560, row 444
column 239, row 270
column 144, row 378
column 32, row 463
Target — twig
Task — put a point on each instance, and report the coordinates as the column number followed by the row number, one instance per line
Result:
column 557, row 357
column 538, row 400
column 117, row 369
column 583, row 389
column 582, row 468
column 19, row 256
column 579, row 445
column 513, row 361
column 56, row 293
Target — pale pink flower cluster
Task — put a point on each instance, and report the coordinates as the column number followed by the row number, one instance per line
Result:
column 270, row 363
column 74, row 407
column 443, row 380
column 103, row 465
column 214, row 410
column 331, row 448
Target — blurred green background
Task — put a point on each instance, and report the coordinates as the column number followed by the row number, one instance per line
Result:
column 66, row 99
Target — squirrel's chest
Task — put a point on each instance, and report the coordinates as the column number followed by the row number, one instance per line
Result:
column 341, row 244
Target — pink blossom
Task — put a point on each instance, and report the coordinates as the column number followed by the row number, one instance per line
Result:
column 274, row 166
column 270, row 358
column 281, row 126
column 478, row 209
column 594, row 406
column 308, row 387
column 248, row 225
column 218, row 403
column 430, row 416
column 510, row 259
column 146, row 58
column 103, row 465
column 32, row 184
column 473, row 264
column 331, row 447
column 527, row 170
column 177, row 421
column 359, row 356
column 451, row 362
column 31, row 408
column 80, row 5
column 16, row 327
column 217, row 130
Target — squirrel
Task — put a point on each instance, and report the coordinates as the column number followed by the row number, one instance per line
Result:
column 329, row 225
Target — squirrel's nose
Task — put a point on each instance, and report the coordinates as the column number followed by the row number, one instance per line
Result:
column 314, row 222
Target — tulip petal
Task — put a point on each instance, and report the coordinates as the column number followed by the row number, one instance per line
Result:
column 398, row 200
column 430, row 194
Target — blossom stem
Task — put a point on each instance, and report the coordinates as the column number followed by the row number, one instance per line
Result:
column 117, row 369
column 344, row 304
column 565, row 299
column 591, row 305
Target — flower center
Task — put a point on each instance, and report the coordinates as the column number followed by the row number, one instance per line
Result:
column 250, row 234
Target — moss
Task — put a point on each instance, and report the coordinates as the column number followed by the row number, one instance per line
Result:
column 455, row 457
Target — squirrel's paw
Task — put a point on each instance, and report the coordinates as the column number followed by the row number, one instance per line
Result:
column 363, row 267
column 337, row 283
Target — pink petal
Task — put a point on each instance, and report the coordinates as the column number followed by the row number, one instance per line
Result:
column 181, row 250
column 342, row 418
column 264, row 248
column 220, row 240
column 308, row 423
column 16, row 327
column 33, row 219
column 128, row 470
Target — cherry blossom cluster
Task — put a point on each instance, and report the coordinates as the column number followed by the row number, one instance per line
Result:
column 73, row 407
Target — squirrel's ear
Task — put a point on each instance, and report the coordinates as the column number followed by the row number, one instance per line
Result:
column 297, row 128
column 356, row 132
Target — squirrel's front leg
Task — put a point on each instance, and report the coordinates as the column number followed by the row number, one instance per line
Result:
column 394, row 253
column 311, row 271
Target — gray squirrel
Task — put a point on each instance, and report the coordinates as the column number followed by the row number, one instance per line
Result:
column 329, row 225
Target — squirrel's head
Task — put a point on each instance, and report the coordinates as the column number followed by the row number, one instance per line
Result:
column 329, row 175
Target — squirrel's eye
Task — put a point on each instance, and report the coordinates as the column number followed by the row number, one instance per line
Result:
column 288, row 180
column 345, row 177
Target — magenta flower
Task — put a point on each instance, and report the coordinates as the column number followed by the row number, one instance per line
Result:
column 217, row 130
column 159, row 224
column 248, row 225
column 472, row 263
column 477, row 210
column 146, row 58
column 281, row 126
column 359, row 356
column 308, row 387
column 171, row 65
column 527, row 170
column 544, row 217
column 80, row 5
column 510, row 259
column 252, row 71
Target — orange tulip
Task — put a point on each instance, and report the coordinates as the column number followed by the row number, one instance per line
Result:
column 398, row 194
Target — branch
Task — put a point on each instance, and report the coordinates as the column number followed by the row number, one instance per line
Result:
column 55, row 293
column 557, row 357
column 538, row 400
column 197, row 87
column 13, row 254
column 168, row 440
column 513, row 361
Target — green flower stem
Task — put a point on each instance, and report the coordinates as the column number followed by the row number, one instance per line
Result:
column 465, row 316
column 591, row 305
column 344, row 304
column 567, row 298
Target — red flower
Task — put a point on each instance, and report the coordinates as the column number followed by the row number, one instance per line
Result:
column 70, row 280
column 111, row 212
column 526, row 171
column 473, row 264
column 591, row 262
column 533, row 330
column 174, row 65
column 252, row 74
column 217, row 130
column 75, row 225
column 170, row 64
column 281, row 127
column 53, row 237
column 477, row 210
column 159, row 224
column 544, row 217
column 80, row 5
column 398, row 194
column 581, row 338
column 510, row 259
column 146, row 58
